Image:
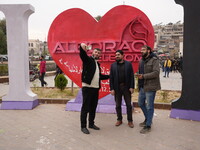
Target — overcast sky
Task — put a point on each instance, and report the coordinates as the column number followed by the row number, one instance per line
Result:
column 158, row 11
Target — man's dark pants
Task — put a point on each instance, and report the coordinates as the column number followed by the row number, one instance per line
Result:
column 41, row 78
column 90, row 101
column 123, row 91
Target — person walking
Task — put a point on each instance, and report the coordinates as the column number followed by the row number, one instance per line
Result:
column 149, row 83
column 42, row 71
column 180, row 66
column 58, row 71
column 167, row 66
column 91, row 76
column 122, row 84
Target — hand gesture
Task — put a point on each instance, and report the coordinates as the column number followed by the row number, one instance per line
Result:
column 84, row 46
column 112, row 92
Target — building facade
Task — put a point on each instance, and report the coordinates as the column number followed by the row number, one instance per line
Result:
column 169, row 39
column 37, row 47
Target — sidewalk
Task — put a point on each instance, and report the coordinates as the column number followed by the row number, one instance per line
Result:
column 50, row 127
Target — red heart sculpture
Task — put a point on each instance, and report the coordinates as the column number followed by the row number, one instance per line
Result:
column 123, row 27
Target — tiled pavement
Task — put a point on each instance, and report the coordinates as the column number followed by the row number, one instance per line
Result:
column 50, row 127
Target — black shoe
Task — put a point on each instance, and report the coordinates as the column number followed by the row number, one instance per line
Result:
column 46, row 84
column 85, row 130
column 146, row 129
column 94, row 127
column 142, row 124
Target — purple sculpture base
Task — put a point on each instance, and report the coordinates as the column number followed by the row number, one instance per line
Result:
column 19, row 105
column 105, row 104
column 185, row 114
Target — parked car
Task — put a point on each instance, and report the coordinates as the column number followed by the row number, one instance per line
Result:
column 3, row 58
column 47, row 57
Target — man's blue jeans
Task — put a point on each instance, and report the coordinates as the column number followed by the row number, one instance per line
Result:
column 146, row 103
column 167, row 70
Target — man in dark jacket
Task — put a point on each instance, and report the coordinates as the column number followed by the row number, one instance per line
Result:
column 122, row 84
column 91, row 76
column 149, row 83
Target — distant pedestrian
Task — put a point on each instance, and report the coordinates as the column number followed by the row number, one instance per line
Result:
column 38, row 67
column 122, row 84
column 167, row 67
column 42, row 71
column 149, row 83
column 162, row 64
column 58, row 71
column 181, row 66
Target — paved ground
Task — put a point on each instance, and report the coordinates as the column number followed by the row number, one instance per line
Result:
column 50, row 127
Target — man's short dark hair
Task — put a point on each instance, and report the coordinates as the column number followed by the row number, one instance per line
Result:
column 42, row 56
column 98, row 49
column 147, row 47
column 120, row 51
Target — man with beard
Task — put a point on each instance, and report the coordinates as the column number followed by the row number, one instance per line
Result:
column 122, row 84
column 91, row 76
column 149, row 83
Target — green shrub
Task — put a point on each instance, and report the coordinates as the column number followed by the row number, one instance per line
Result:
column 61, row 82
column 3, row 70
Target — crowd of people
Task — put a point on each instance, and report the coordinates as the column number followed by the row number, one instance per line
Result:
column 171, row 65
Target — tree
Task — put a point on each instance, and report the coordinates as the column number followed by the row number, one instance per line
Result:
column 3, row 41
column 61, row 82
column 3, row 25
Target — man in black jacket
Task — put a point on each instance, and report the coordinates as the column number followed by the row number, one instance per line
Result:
column 122, row 84
column 91, row 76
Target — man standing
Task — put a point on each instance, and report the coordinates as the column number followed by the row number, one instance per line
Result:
column 42, row 71
column 58, row 71
column 167, row 66
column 122, row 84
column 149, row 83
column 91, row 76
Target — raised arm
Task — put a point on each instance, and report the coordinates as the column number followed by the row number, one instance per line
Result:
column 83, row 53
